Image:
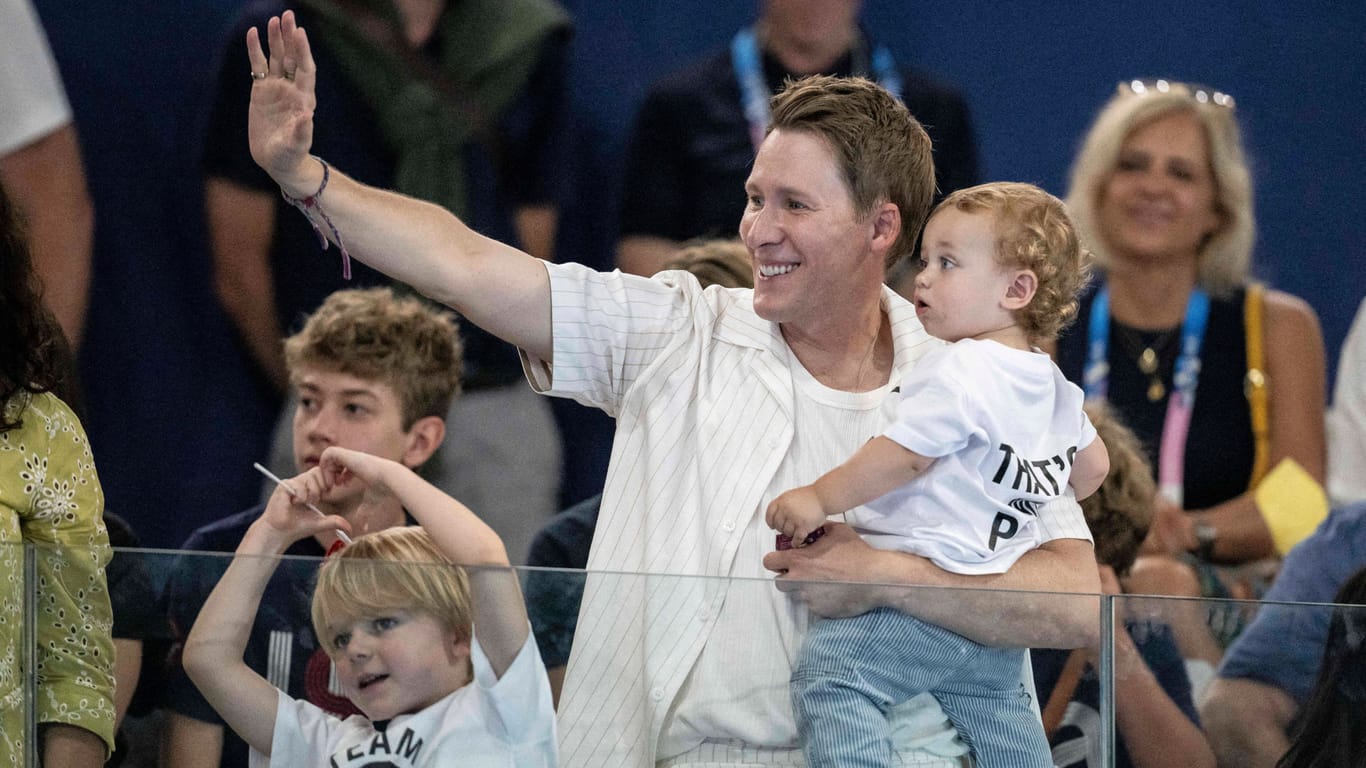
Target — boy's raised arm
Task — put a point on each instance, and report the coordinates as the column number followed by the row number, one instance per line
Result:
column 495, row 286
column 500, row 619
column 214, row 648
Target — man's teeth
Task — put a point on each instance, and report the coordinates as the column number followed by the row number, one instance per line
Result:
column 773, row 270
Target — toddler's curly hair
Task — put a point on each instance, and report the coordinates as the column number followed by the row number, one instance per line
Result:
column 1033, row 231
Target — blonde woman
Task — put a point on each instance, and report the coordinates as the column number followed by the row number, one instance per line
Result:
column 1163, row 196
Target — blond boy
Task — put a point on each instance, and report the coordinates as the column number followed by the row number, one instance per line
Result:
column 439, row 660
column 374, row 373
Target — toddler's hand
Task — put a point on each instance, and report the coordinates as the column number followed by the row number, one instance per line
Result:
column 796, row 514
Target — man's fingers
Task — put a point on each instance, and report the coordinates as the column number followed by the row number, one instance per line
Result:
column 289, row 60
column 307, row 71
column 255, row 55
column 276, row 41
column 776, row 561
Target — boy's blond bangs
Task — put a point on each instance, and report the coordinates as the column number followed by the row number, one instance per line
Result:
column 395, row 569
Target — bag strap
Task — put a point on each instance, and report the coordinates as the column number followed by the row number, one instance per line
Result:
column 1062, row 691
column 1255, row 383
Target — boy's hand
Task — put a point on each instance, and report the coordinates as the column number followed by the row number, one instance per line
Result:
column 796, row 514
column 290, row 514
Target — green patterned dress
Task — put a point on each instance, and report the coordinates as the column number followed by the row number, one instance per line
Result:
column 50, row 497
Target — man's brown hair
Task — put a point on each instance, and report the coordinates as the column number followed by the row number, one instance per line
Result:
column 882, row 150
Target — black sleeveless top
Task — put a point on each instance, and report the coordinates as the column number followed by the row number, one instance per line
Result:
column 1220, row 446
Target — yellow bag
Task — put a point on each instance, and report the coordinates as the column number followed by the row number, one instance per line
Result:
column 1291, row 501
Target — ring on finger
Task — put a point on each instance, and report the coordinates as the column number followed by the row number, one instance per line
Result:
column 258, row 76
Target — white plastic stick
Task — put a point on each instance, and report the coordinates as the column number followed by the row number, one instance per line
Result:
column 340, row 534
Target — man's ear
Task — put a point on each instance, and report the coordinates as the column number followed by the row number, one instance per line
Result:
column 424, row 437
column 886, row 222
column 1023, row 285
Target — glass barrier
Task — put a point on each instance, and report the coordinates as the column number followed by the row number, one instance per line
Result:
column 1192, row 682
column 689, row 669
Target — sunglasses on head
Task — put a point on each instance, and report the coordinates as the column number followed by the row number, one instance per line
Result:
column 1201, row 93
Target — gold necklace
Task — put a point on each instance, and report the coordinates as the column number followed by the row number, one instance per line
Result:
column 1147, row 355
column 1147, row 364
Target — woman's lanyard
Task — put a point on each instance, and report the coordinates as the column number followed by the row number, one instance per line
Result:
column 1180, row 404
column 744, row 57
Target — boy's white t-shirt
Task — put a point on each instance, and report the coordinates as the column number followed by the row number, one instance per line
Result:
column 507, row 721
column 1003, row 425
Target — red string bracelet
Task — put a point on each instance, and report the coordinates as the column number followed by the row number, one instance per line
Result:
column 313, row 203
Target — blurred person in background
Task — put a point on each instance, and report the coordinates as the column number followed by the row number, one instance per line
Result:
column 50, row 499
column 40, row 165
column 696, row 133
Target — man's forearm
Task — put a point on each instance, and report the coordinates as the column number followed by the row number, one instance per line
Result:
column 495, row 286
column 991, row 610
column 1019, row 608
column 1247, row 722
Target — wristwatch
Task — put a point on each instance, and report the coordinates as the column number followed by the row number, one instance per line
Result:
column 1205, row 536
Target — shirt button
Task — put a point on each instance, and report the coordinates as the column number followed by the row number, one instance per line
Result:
column 657, row 694
column 728, row 526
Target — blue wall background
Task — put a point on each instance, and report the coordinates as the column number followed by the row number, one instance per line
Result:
column 177, row 418
column 1035, row 74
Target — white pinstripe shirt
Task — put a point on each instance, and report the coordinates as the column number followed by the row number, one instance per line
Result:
column 703, row 398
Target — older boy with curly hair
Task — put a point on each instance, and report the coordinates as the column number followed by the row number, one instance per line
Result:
column 988, row 431
column 374, row 373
